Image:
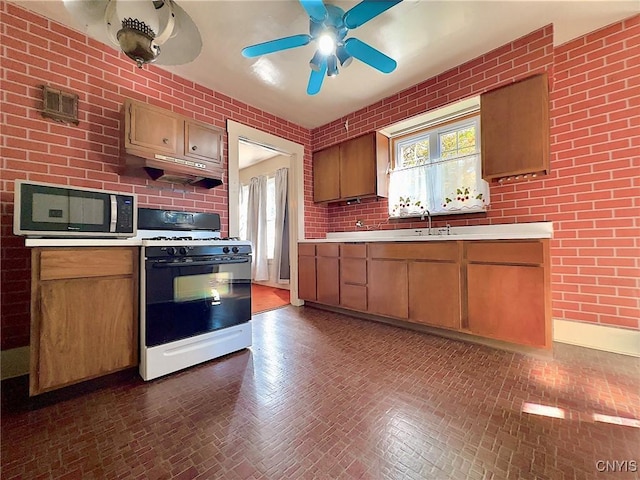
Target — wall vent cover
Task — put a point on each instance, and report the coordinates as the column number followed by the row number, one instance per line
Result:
column 60, row 106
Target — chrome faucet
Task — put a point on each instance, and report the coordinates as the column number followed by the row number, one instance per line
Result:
column 428, row 214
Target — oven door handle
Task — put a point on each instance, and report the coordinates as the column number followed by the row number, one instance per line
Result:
column 205, row 262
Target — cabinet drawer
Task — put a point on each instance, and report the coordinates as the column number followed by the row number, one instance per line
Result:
column 353, row 270
column 519, row 253
column 328, row 249
column 444, row 251
column 353, row 250
column 307, row 249
column 90, row 262
column 353, row 297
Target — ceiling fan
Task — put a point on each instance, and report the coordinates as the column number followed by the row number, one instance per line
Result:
column 146, row 31
column 328, row 27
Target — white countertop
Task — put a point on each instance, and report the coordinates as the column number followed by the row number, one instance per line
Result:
column 82, row 242
column 512, row 231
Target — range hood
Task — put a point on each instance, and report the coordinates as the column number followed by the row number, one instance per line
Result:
column 163, row 168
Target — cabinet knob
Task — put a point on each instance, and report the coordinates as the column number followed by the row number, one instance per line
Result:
column 194, row 148
column 165, row 140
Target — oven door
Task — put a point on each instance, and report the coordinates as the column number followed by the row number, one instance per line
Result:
column 185, row 299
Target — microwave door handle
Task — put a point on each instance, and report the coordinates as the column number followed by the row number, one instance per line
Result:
column 114, row 213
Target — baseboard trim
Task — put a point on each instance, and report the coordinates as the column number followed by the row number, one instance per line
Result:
column 14, row 362
column 599, row 337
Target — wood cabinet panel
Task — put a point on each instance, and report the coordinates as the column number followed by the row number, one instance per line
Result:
column 328, row 249
column 85, row 262
column 352, row 169
column 507, row 303
column 353, row 250
column 357, row 168
column 507, row 252
column 431, row 250
column 434, row 294
column 328, row 280
column 515, row 129
column 326, row 174
column 84, row 314
column 154, row 128
column 387, row 288
column 86, row 330
column 203, row 143
column 353, row 297
column 307, row 278
column 307, row 249
column 353, row 270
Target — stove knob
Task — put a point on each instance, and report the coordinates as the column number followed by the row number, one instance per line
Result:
column 225, row 249
column 234, row 249
column 171, row 251
column 182, row 250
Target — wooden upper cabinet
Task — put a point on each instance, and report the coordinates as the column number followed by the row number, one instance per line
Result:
column 515, row 129
column 326, row 174
column 202, row 142
column 153, row 128
column 356, row 168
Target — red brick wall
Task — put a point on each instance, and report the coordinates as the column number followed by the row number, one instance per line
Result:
column 592, row 194
column 36, row 51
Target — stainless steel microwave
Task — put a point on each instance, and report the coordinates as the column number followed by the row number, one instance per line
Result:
column 47, row 210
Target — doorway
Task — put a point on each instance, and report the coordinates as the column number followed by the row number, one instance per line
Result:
column 241, row 133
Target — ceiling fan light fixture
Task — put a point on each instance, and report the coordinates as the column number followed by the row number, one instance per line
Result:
column 327, row 43
column 137, row 42
column 316, row 61
column 344, row 58
column 332, row 66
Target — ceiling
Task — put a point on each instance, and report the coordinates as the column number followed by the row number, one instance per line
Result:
column 425, row 37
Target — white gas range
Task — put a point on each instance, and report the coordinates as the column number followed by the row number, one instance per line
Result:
column 195, row 291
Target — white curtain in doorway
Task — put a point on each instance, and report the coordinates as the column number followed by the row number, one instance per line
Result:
column 257, row 227
column 281, row 243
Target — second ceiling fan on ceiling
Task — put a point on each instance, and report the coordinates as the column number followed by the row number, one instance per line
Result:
column 328, row 27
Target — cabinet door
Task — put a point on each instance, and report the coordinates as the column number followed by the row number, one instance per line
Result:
column 387, row 288
column 326, row 174
column 358, row 167
column 86, row 329
column 202, row 142
column 307, row 278
column 328, row 280
column 507, row 302
column 515, row 129
column 154, row 129
column 434, row 294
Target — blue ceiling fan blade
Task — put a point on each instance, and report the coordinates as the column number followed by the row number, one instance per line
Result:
column 366, row 10
column 369, row 55
column 316, row 78
column 276, row 45
column 316, row 10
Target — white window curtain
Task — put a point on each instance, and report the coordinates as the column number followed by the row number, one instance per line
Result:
column 444, row 186
column 257, row 227
column 281, row 243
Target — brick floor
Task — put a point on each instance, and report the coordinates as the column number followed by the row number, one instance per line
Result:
column 326, row 396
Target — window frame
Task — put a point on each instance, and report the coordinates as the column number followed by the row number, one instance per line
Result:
column 434, row 130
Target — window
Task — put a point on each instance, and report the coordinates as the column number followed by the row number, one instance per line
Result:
column 438, row 169
column 271, row 214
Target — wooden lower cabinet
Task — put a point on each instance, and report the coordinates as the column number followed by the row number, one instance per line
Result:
column 494, row 289
column 307, row 272
column 387, row 288
column 434, row 294
column 328, row 280
column 84, row 320
column 353, row 276
column 506, row 302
